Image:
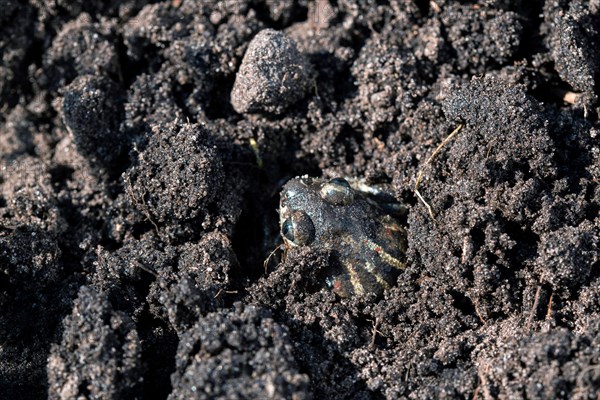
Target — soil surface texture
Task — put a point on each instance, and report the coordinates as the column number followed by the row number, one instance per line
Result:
column 143, row 146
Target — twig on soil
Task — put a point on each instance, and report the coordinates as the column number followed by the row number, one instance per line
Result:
column 420, row 174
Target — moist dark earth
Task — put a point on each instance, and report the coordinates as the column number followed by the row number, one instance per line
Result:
column 143, row 146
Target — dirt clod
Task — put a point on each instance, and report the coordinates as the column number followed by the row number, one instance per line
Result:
column 93, row 110
column 99, row 355
column 238, row 353
column 273, row 75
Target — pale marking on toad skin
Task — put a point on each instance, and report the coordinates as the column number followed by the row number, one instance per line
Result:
column 354, row 279
column 371, row 269
column 392, row 226
column 384, row 255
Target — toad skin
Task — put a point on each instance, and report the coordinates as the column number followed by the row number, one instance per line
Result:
column 367, row 243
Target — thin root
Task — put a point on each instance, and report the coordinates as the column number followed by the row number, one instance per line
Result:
column 549, row 310
column 429, row 210
column 266, row 262
column 420, row 174
column 483, row 383
column 225, row 291
column 479, row 315
column 141, row 204
column 148, row 270
column 374, row 333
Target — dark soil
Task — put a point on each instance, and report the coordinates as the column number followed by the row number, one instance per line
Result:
column 138, row 197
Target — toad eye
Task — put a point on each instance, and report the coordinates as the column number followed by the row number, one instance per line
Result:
column 298, row 229
column 337, row 192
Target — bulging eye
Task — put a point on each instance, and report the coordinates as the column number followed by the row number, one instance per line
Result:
column 337, row 192
column 298, row 229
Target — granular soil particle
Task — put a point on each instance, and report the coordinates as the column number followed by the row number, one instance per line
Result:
column 139, row 181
